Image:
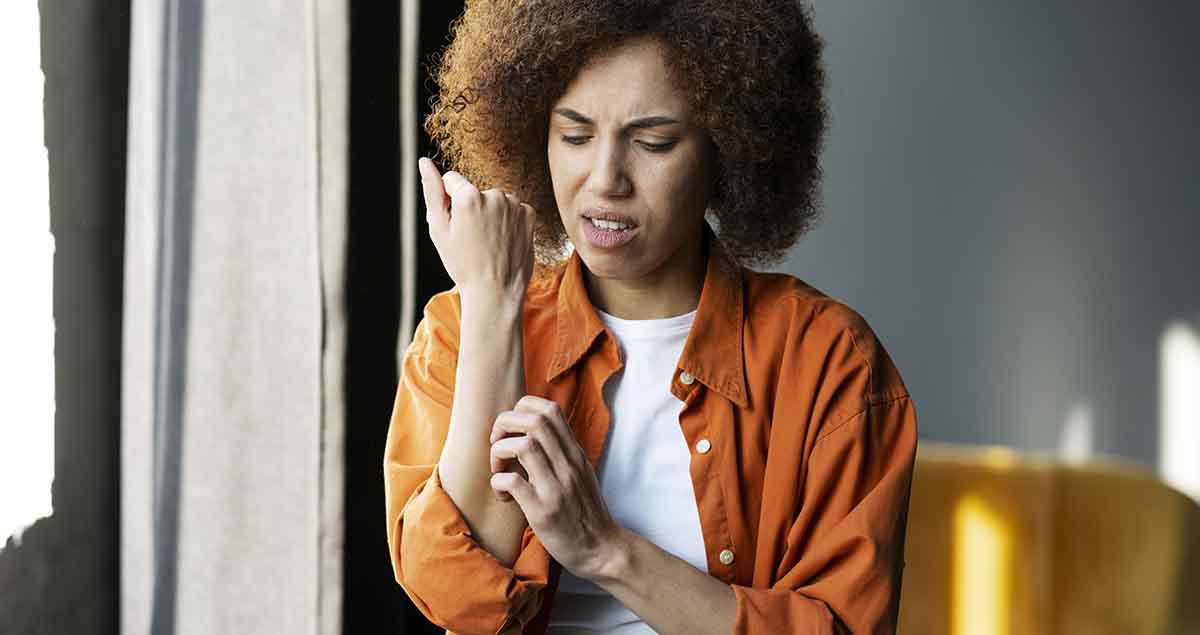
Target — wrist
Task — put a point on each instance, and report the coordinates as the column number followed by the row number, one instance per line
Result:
column 614, row 559
column 489, row 316
column 492, row 300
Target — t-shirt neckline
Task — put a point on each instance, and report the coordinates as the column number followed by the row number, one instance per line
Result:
column 655, row 327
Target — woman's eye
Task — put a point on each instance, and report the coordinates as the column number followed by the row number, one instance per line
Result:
column 657, row 147
column 652, row 147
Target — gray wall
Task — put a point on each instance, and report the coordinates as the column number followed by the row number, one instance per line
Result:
column 1012, row 203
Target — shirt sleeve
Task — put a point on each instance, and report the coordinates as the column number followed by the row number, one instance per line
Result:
column 453, row 581
column 841, row 571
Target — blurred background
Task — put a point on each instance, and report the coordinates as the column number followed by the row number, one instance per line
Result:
column 216, row 253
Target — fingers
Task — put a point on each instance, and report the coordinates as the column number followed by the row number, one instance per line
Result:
column 458, row 188
column 530, row 212
column 502, row 197
column 533, row 428
column 513, row 201
column 553, row 415
column 510, row 484
column 437, row 209
column 534, row 405
column 509, row 465
column 541, row 421
column 442, row 190
column 532, row 456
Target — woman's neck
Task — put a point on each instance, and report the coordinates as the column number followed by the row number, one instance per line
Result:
column 673, row 289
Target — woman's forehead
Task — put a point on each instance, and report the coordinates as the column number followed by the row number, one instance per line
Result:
column 628, row 82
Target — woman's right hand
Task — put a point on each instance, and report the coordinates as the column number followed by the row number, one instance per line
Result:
column 485, row 239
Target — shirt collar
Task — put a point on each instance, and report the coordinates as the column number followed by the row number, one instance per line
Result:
column 713, row 350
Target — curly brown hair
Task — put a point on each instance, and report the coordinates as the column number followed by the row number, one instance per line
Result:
column 754, row 80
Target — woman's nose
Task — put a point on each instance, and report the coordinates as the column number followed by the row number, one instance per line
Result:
column 609, row 176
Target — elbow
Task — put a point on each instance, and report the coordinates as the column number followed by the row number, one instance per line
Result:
column 459, row 586
column 470, row 604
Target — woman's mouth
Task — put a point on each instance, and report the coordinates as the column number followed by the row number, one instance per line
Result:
column 607, row 234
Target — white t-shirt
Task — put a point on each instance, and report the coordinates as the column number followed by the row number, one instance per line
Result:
column 644, row 470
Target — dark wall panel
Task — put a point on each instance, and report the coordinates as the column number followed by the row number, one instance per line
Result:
column 63, row 576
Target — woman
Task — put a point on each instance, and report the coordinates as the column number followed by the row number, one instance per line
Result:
column 643, row 434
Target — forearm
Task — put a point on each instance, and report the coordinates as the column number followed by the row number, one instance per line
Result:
column 490, row 378
column 667, row 592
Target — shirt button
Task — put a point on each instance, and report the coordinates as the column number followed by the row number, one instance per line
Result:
column 686, row 378
column 726, row 556
column 703, row 446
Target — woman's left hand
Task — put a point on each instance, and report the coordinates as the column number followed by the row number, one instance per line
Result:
column 561, row 498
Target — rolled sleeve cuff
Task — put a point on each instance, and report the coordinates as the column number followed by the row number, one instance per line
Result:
column 762, row 611
column 456, row 583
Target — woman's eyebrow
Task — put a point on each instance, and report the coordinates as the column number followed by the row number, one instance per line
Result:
column 640, row 122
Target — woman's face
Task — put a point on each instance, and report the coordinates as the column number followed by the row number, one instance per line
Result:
column 621, row 144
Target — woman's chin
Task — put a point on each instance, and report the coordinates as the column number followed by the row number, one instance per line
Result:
column 603, row 265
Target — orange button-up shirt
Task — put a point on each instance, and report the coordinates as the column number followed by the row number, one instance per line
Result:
column 803, row 438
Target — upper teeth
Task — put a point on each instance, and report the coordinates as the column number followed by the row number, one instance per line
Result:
column 608, row 224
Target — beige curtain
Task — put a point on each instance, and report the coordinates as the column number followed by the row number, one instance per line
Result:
column 232, row 424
